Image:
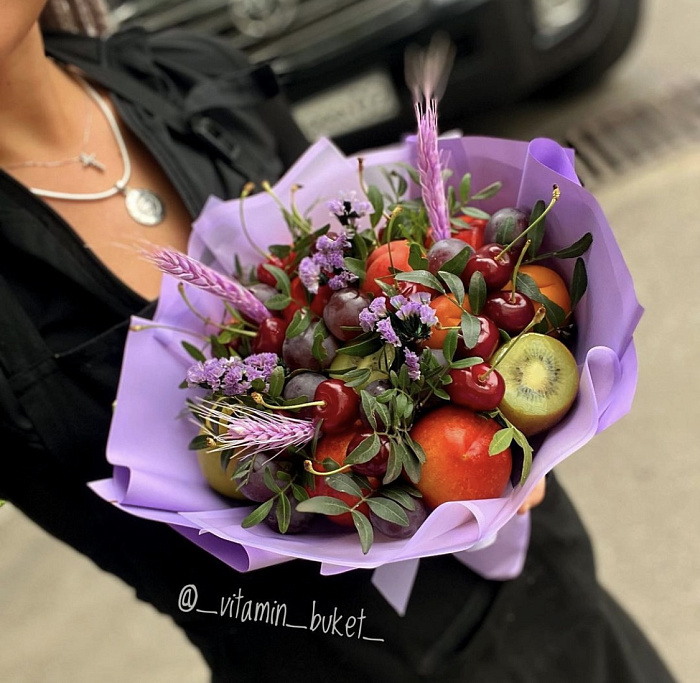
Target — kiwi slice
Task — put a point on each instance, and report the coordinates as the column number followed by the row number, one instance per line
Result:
column 541, row 379
column 378, row 363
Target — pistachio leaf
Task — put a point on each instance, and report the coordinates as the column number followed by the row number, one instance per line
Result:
column 477, row 292
column 579, row 282
column 323, row 505
column 388, row 510
column 258, row 515
column 364, row 529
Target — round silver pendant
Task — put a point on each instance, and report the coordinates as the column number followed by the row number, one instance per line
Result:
column 144, row 206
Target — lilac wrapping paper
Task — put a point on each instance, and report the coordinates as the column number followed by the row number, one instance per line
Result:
column 156, row 477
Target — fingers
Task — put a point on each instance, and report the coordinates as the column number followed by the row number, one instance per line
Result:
column 535, row 498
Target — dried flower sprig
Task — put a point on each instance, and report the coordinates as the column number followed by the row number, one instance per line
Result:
column 203, row 277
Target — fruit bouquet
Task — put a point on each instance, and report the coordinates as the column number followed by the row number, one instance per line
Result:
column 377, row 359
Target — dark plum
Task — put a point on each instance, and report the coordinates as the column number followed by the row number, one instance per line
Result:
column 505, row 225
column 416, row 517
column 343, row 311
column 444, row 250
column 253, row 486
column 297, row 351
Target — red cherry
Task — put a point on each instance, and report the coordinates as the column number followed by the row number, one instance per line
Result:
column 476, row 387
column 486, row 343
column 342, row 405
column 264, row 275
column 376, row 467
column 511, row 311
column 495, row 266
column 300, row 299
column 270, row 336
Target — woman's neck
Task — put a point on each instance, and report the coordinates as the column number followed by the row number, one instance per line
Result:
column 40, row 105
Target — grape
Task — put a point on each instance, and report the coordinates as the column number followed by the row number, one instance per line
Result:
column 343, row 310
column 443, row 250
column 303, row 384
column 262, row 292
column 298, row 521
column 253, row 486
column 416, row 517
column 505, row 225
column 297, row 351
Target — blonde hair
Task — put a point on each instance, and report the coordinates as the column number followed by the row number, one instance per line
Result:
column 90, row 17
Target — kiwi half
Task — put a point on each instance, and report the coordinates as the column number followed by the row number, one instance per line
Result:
column 541, row 379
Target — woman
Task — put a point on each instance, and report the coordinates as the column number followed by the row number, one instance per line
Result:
column 107, row 142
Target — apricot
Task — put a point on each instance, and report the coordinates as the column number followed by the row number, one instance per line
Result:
column 458, row 465
column 448, row 314
column 392, row 254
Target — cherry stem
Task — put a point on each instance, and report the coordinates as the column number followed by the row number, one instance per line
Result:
column 258, row 398
column 556, row 193
column 517, row 268
column 247, row 189
column 536, row 319
column 309, row 467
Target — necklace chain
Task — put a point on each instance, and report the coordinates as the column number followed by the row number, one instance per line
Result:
column 142, row 205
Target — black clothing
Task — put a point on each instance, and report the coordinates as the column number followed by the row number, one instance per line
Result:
column 61, row 343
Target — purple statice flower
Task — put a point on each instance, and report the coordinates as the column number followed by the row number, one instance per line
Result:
column 232, row 376
column 309, row 274
column 416, row 305
column 208, row 373
column 347, row 208
column 342, row 279
column 413, row 364
column 330, row 250
column 252, row 429
column 369, row 316
column 387, row 332
column 195, row 273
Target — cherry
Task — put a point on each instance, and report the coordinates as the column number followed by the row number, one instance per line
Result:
column 341, row 405
column 270, row 336
column 376, row 467
column 265, row 276
column 493, row 263
column 486, row 343
column 478, row 387
column 299, row 299
column 511, row 311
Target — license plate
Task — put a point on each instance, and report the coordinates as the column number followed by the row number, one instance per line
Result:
column 354, row 105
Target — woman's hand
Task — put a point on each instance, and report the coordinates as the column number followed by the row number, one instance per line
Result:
column 535, row 498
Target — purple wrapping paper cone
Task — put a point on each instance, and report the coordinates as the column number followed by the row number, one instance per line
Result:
column 157, row 477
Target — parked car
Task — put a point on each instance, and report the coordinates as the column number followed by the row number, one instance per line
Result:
column 341, row 62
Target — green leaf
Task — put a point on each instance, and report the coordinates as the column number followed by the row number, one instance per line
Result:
column 318, row 351
column 401, row 496
column 501, row 440
column 281, row 279
column 473, row 212
column 466, row 362
column 458, row 262
column 415, row 257
column 489, row 191
column 377, row 201
column 299, row 324
column 477, row 292
column 394, row 465
column 364, row 345
column 382, row 413
column 579, row 282
column 324, row 505
column 369, row 403
column 283, row 512
column 536, row 235
column 449, row 346
column 258, row 515
column 199, row 443
column 577, row 249
column 364, row 529
column 465, row 188
column 471, row 329
column 388, row 510
column 276, row 382
column 422, row 277
column 357, row 377
column 355, row 266
column 522, row 441
column 454, row 284
column 193, row 351
column 365, row 450
column 344, row 483
column 277, row 302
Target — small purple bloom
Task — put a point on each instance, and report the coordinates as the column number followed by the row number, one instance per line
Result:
column 342, row 279
column 378, row 305
column 387, row 333
column 413, row 365
column 347, row 208
column 309, row 274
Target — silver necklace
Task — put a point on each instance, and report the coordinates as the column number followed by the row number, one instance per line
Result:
column 143, row 205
